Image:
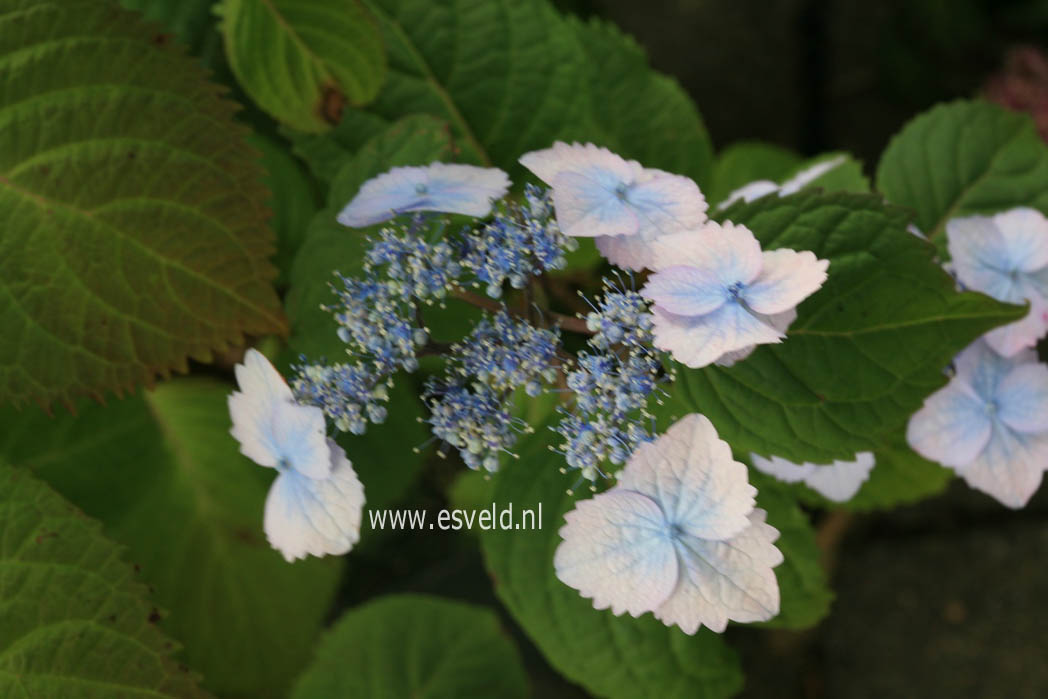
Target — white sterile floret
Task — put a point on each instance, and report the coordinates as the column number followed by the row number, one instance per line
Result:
column 315, row 504
column 678, row 536
column 622, row 204
column 1005, row 256
column 716, row 293
column 762, row 188
column 444, row 187
column 990, row 423
column 837, row 481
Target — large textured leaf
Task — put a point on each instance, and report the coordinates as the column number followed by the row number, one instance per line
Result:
column 610, row 656
column 163, row 474
column 964, row 158
column 415, row 646
column 74, row 621
column 510, row 76
column 134, row 229
column 191, row 21
column 635, row 111
column 864, row 351
column 300, row 60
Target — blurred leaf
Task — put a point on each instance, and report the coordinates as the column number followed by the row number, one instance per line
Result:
column 865, row 350
column 846, row 176
column 135, row 228
column 415, row 646
column 191, row 21
column 964, row 158
column 293, row 200
column 165, row 477
column 74, row 622
column 302, row 60
column 610, row 656
column 747, row 161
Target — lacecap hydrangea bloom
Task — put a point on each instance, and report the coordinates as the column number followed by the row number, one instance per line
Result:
column 445, row 187
column 838, row 481
column 679, row 536
column 716, row 292
column 598, row 194
column 315, row 504
column 1005, row 256
column 990, row 423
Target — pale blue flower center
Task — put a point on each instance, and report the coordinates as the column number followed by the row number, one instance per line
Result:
column 991, row 407
column 735, row 291
column 622, row 190
column 421, row 188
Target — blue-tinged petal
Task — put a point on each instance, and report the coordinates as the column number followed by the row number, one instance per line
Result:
column 787, row 277
column 808, row 175
column 725, row 580
column 750, row 192
column 1025, row 233
column 952, row 427
column 299, row 435
column 841, row 480
column 1010, row 340
column 981, row 258
column 780, row 468
column 780, row 322
column 315, row 517
column 616, row 550
column 689, row 471
column 445, row 187
column 1010, row 468
column 1022, row 398
column 269, row 426
column 686, row 291
column 590, row 204
column 701, row 340
column 728, row 251
column 982, row 369
column 547, row 163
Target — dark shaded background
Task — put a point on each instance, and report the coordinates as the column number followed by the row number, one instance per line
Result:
column 948, row 598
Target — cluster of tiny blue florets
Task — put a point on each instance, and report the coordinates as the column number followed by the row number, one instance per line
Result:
column 520, row 242
column 612, row 384
column 468, row 407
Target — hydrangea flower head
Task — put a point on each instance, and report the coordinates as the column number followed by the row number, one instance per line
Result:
column 716, row 292
column 447, row 187
column 315, row 504
column 1005, row 256
column 838, row 481
column 599, row 194
column 990, row 423
column 678, row 536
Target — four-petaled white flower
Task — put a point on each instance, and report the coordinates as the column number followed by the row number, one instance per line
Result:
column 1005, row 256
column 678, row 536
column 314, row 506
column 715, row 292
column 762, row 188
column 990, row 423
column 445, row 187
column 837, row 481
column 622, row 204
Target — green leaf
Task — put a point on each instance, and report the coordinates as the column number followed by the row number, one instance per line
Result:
column 293, row 200
column 415, row 646
column 134, row 232
column 511, row 76
column 299, row 60
column 610, row 656
column 747, row 161
column 803, row 589
column 635, row 111
column 74, row 623
column 865, row 350
column 191, row 21
column 165, row 477
column 964, row 158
